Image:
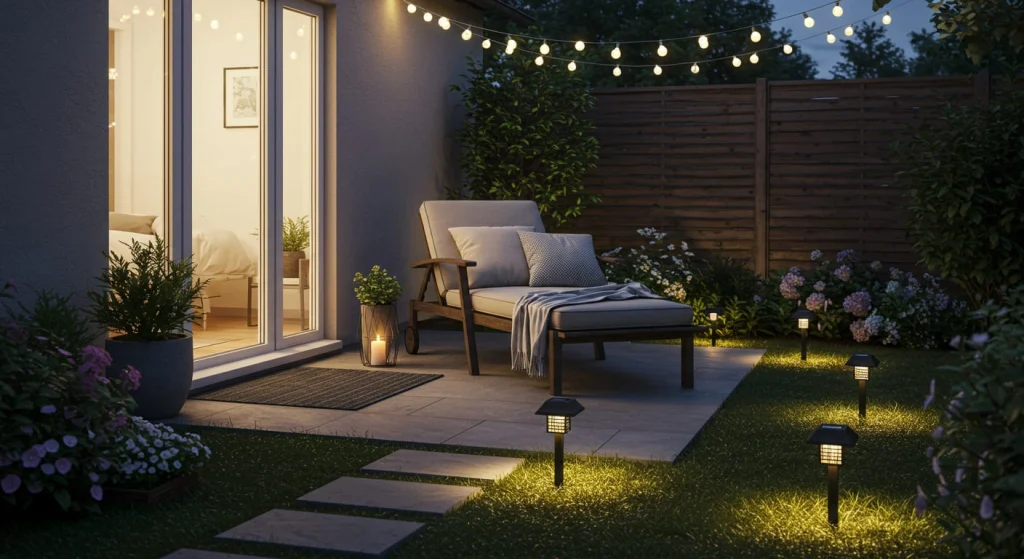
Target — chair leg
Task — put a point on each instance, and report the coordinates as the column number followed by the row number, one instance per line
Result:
column 686, row 373
column 598, row 351
column 554, row 363
column 469, row 333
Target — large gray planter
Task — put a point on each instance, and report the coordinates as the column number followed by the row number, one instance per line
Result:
column 166, row 368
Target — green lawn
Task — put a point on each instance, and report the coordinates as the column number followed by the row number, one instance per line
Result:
column 748, row 486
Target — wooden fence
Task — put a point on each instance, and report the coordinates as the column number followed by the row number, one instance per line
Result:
column 764, row 172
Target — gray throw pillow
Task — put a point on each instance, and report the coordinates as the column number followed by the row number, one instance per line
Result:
column 497, row 252
column 561, row 260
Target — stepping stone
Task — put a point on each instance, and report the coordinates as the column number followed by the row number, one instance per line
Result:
column 324, row 532
column 429, row 498
column 203, row 554
column 444, row 464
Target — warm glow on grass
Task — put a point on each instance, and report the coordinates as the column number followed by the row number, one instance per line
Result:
column 883, row 417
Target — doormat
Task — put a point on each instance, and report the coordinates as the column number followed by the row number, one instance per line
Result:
column 317, row 387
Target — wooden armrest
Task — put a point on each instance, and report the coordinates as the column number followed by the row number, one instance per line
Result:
column 454, row 261
column 609, row 259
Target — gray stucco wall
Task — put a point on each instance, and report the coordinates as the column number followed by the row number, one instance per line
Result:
column 396, row 145
column 53, row 143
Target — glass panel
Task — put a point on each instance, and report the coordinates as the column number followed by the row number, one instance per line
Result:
column 300, row 158
column 227, row 178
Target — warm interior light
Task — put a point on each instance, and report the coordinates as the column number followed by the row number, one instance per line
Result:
column 135, row 10
column 411, row 8
column 860, row 373
column 788, row 49
column 239, row 36
column 150, row 12
column 510, row 46
column 559, row 424
column 832, row 454
column 703, row 41
column 199, row 16
column 803, row 323
column 580, row 45
column 662, row 49
column 713, row 316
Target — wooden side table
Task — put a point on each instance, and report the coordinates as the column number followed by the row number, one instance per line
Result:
column 301, row 284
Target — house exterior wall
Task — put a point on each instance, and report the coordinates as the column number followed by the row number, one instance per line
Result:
column 53, row 144
column 396, row 144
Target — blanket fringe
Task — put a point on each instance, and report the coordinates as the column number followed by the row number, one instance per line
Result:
column 533, row 365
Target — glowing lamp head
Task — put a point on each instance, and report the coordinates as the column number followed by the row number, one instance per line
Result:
column 444, row 23
column 736, row 62
column 510, row 46
column 837, row 10
column 832, row 440
column 580, row 45
column 695, row 69
column 617, row 71
column 713, row 313
column 703, row 42
column 803, row 323
column 886, row 19
column 486, row 43
column 657, row 70
column 539, row 61
column 755, row 36
column 467, row 34
column 571, row 66
column 544, row 48
column 808, row 21
column 559, row 412
column 754, row 58
column 830, row 37
column 662, row 49
column 862, row 363
column 428, row 17
column 616, row 52
column 411, row 8
column 788, row 49
column 803, row 318
column 848, row 31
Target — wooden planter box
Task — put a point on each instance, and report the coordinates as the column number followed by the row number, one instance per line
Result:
column 163, row 492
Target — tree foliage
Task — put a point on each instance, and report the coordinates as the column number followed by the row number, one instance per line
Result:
column 938, row 56
column 870, row 54
column 984, row 27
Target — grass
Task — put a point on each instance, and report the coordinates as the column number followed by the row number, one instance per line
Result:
column 748, row 487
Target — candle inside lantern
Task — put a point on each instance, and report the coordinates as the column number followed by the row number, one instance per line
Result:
column 378, row 352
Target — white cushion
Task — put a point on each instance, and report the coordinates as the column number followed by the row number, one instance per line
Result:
column 131, row 223
column 561, row 260
column 498, row 254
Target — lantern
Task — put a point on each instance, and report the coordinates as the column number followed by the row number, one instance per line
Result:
column 559, row 412
column 862, row 363
column 713, row 314
column 832, row 440
column 803, row 322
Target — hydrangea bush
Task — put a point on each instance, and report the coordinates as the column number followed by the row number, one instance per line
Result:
column 663, row 267
column 148, row 454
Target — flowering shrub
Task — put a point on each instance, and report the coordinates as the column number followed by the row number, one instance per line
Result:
column 664, row 268
column 978, row 457
column 59, row 416
column 148, row 454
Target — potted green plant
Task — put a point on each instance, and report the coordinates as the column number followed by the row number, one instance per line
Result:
column 378, row 316
column 146, row 303
column 295, row 237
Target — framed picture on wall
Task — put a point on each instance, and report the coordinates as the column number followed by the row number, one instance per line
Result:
column 242, row 97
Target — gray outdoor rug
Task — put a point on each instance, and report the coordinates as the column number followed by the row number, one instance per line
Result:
column 316, row 387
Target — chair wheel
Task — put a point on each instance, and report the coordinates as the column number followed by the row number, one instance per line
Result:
column 412, row 340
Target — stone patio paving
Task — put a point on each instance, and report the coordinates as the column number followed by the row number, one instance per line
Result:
column 634, row 406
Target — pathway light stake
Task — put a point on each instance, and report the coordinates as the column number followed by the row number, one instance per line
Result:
column 559, row 412
column 862, row 363
column 713, row 314
column 803, row 322
column 831, row 440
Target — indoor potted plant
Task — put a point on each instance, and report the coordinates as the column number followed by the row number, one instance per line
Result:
column 295, row 237
column 378, row 316
column 146, row 303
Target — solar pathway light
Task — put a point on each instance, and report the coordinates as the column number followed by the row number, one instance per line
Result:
column 713, row 314
column 832, row 439
column 862, row 363
column 803, row 322
column 559, row 412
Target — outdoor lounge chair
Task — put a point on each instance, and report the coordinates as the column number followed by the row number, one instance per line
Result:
column 596, row 323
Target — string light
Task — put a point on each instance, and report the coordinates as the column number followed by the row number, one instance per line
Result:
column 510, row 46
column 486, row 44
column 703, row 41
column 544, row 48
column 657, row 70
column 411, row 8
column 572, row 66
column 580, row 45
column 616, row 52
column 443, row 23
column 150, row 12
column 662, row 49
column 214, row 24
column 755, row 35
column 617, row 72
column 848, row 31
column 886, row 19
column 808, row 21
column 539, row 61
column 467, row 34
column 787, row 48
column 754, row 58
column 830, row 37
column 695, row 69
column 837, row 10
column 428, row 17
column 135, row 10
column 736, row 62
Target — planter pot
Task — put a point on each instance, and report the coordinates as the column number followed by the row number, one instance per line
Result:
column 166, row 490
column 291, row 262
column 379, row 328
column 166, row 368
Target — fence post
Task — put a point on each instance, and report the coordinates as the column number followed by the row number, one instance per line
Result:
column 761, row 177
column 982, row 88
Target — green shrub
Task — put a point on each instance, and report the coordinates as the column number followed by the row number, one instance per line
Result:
column 295, row 234
column 55, row 316
column 527, row 136
column 377, row 287
column 965, row 178
column 978, row 456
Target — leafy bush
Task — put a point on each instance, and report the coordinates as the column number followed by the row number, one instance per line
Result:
column 978, row 457
column 377, row 287
column 527, row 136
column 149, row 454
column 59, row 415
column 150, row 297
column 663, row 267
column 295, row 234
column 56, row 315
column 965, row 179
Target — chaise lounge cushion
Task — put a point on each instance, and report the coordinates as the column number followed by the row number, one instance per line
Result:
column 604, row 315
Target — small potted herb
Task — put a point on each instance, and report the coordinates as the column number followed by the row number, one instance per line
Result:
column 146, row 303
column 378, row 317
column 295, row 239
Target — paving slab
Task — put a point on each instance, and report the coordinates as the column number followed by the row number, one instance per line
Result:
column 203, row 554
column 324, row 532
column 389, row 494
column 444, row 464
column 646, row 445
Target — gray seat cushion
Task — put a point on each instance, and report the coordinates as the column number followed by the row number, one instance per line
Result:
column 604, row 315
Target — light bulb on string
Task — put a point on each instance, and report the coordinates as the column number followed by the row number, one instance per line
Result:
column 411, row 8
column 580, row 45
column 616, row 52
column 755, row 35
column 657, row 70
column 150, row 12
column 830, row 37
column 695, row 69
column 736, row 61
column 443, row 23
column 510, row 45
column 539, row 61
column 214, row 24
column 617, row 71
column 135, row 10
column 808, row 21
column 837, row 10
column 467, row 34
column 486, row 43
column 572, row 66
column 754, row 58
column 886, row 19
column 662, row 49
column 703, row 42
column 428, row 17
column 848, row 31
column 788, row 49
column 544, row 48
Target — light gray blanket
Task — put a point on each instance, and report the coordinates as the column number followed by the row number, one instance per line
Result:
column 533, row 312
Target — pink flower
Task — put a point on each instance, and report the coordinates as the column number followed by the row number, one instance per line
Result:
column 858, row 304
column 132, row 378
column 815, row 301
column 844, row 273
column 10, row 483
